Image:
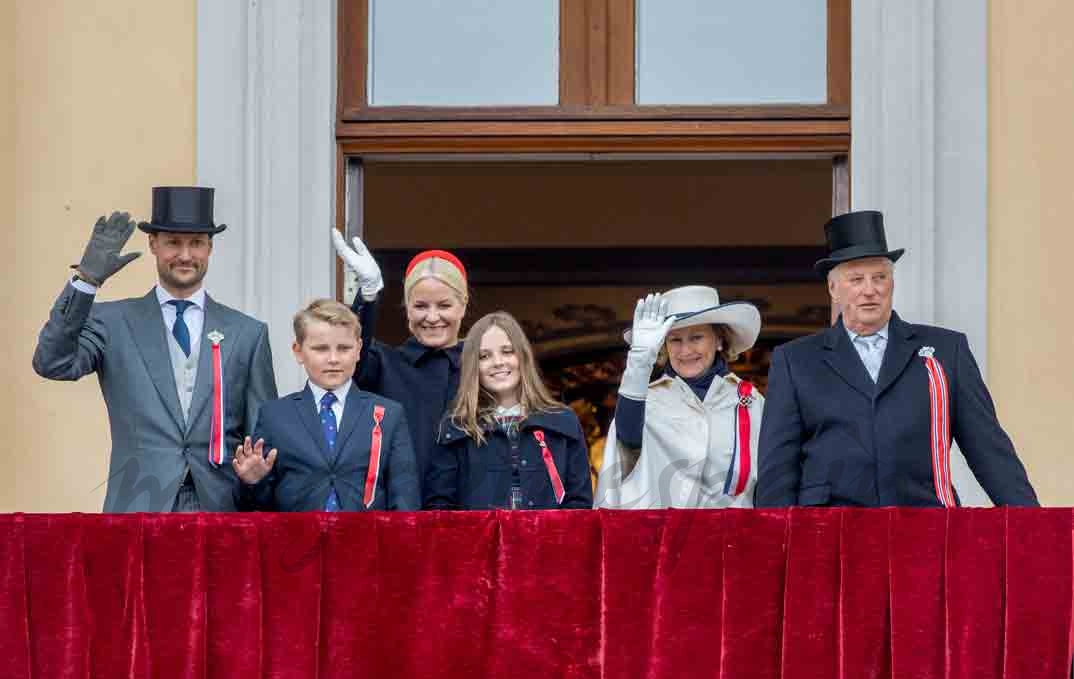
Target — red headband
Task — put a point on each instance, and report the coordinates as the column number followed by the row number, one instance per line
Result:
column 438, row 254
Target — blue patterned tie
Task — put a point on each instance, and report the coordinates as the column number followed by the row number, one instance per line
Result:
column 328, row 426
column 180, row 330
column 872, row 353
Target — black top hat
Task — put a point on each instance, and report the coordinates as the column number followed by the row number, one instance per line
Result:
column 855, row 235
column 182, row 209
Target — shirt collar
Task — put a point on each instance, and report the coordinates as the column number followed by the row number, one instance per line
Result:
column 319, row 392
column 882, row 333
column 414, row 351
column 198, row 298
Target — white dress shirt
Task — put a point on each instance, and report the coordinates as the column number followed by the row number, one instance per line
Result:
column 337, row 407
column 194, row 315
column 871, row 349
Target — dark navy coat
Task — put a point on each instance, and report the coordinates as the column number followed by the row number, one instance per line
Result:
column 423, row 380
column 464, row 475
column 830, row 436
column 306, row 470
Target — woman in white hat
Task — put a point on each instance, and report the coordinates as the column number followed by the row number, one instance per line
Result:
column 688, row 438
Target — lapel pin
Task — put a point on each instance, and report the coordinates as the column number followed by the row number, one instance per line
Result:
column 926, row 352
column 216, row 337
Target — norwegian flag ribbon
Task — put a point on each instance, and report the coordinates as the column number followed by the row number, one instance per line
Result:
column 738, row 475
column 550, row 465
column 216, row 432
column 939, row 427
column 374, row 458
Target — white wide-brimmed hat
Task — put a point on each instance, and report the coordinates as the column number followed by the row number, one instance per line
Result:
column 700, row 305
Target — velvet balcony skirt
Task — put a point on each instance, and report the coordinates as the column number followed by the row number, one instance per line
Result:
column 792, row 594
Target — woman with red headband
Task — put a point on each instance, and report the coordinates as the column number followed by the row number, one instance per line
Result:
column 423, row 372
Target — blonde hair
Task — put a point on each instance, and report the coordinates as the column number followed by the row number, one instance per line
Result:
column 723, row 334
column 474, row 407
column 441, row 269
column 327, row 311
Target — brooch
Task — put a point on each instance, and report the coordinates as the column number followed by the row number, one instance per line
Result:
column 216, row 337
column 926, row 352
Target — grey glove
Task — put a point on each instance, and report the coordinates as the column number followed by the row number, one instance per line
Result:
column 101, row 258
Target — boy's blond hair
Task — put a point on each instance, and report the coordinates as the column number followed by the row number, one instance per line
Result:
column 327, row 311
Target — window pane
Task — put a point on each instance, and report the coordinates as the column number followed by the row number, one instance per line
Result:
column 726, row 52
column 463, row 52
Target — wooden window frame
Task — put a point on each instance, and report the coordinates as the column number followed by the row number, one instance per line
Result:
column 596, row 113
column 596, row 80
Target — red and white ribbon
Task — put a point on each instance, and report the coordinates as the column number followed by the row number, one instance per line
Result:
column 216, row 433
column 939, row 427
column 373, row 472
column 739, row 473
column 550, row 465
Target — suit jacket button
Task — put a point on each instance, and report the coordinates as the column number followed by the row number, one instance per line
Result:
column 530, row 503
column 523, row 463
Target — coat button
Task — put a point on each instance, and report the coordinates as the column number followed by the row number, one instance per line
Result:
column 530, row 503
column 524, row 463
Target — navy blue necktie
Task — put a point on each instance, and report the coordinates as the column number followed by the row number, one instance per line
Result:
column 328, row 426
column 180, row 330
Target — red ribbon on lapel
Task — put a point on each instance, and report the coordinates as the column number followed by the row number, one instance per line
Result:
column 550, row 465
column 216, row 433
column 742, row 414
column 374, row 458
column 939, row 429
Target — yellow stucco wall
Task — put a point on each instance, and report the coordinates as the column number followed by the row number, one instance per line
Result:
column 100, row 99
column 7, row 232
column 1031, row 235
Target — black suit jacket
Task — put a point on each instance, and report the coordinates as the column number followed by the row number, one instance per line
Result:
column 306, row 470
column 830, row 436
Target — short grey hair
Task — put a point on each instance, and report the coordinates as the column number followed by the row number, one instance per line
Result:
column 839, row 266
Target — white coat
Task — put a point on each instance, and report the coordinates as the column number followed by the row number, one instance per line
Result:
column 686, row 450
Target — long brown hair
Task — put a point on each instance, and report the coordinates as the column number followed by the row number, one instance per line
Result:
column 474, row 407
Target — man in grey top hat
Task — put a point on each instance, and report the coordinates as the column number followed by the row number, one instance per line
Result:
column 864, row 413
column 182, row 376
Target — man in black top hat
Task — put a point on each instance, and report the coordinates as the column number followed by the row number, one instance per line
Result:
column 182, row 376
column 863, row 413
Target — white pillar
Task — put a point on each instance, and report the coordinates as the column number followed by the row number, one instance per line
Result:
column 265, row 125
column 920, row 133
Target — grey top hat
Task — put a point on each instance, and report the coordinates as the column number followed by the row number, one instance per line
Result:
column 855, row 235
column 182, row 209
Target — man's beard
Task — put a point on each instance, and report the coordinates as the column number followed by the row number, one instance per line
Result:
column 172, row 281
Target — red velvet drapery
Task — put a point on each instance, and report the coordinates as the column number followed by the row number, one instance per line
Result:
column 735, row 593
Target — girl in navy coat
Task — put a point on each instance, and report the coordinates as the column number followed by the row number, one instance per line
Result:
column 506, row 443
column 423, row 372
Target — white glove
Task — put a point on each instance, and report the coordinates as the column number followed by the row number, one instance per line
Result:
column 651, row 325
column 361, row 262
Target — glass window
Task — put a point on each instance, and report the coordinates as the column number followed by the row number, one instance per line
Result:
column 730, row 52
column 463, row 53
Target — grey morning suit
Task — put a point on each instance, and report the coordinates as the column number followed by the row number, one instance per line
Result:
column 155, row 440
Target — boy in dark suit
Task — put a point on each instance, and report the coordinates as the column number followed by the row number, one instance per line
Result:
column 331, row 446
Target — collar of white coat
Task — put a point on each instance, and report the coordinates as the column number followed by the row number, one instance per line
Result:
column 716, row 393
